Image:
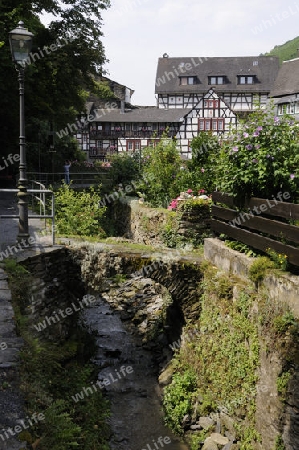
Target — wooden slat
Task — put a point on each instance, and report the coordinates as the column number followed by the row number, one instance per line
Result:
column 261, row 224
column 256, row 241
column 282, row 209
column 221, row 197
column 224, row 213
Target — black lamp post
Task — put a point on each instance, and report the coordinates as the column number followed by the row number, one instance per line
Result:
column 20, row 41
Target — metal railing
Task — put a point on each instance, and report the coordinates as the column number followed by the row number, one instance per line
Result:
column 77, row 178
column 42, row 201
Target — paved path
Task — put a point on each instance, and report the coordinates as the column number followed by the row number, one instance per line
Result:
column 9, row 227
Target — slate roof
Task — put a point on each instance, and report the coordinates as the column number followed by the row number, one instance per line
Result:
column 147, row 114
column 287, row 81
column 265, row 68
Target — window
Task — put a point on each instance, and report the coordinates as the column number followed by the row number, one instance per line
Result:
column 207, row 124
column 153, row 143
column 201, row 125
column 287, row 108
column 211, row 124
column 133, row 145
column 211, row 104
column 217, row 80
column 246, row 79
column 187, row 80
column 220, row 124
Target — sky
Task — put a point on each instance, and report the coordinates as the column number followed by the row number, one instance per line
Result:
column 138, row 32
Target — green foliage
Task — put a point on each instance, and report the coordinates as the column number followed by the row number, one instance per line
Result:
column 279, row 444
column 286, row 51
column 240, row 247
column 198, row 439
column 283, row 323
column 14, row 269
column 78, row 212
column 79, row 58
column 20, row 280
column 249, row 437
column 282, row 383
column 51, row 374
column 205, row 156
column 193, row 211
column 169, row 232
column 124, row 169
column 67, row 432
column 160, row 169
column 259, row 268
column 224, row 355
column 280, row 261
column 177, row 399
column 260, row 158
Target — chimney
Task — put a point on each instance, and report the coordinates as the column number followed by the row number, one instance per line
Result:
column 122, row 107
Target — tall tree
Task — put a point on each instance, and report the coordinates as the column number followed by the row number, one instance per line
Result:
column 65, row 58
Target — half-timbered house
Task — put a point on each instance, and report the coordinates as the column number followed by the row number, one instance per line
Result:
column 285, row 91
column 239, row 81
column 123, row 129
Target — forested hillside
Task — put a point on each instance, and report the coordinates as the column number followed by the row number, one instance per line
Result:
column 286, row 51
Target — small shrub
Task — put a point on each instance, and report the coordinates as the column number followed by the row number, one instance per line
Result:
column 79, row 213
column 259, row 267
column 160, row 169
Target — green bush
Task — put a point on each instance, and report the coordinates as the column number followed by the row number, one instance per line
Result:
column 125, row 168
column 78, row 213
column 260, row 158
column 160, row 168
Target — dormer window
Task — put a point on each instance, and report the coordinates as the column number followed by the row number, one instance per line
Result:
column 214, row 80
column 184, row 81
column 246, row 79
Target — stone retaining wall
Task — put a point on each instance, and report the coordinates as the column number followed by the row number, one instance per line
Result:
column 142, row 224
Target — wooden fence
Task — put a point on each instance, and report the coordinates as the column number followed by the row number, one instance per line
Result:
column 262, row 221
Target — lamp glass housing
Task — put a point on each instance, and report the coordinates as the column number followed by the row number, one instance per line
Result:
column 20, row 41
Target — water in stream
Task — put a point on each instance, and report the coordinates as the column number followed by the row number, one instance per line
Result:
column 129, row 377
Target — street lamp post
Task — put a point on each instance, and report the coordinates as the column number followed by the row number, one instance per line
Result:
column 20, row 40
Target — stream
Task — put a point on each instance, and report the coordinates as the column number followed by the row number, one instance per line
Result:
column 129, row 377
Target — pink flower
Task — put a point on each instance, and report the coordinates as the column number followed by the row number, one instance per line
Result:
column 173, row 204
column 202, row 170
column 189, row 191
column 292, row 176
column 201, row 191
